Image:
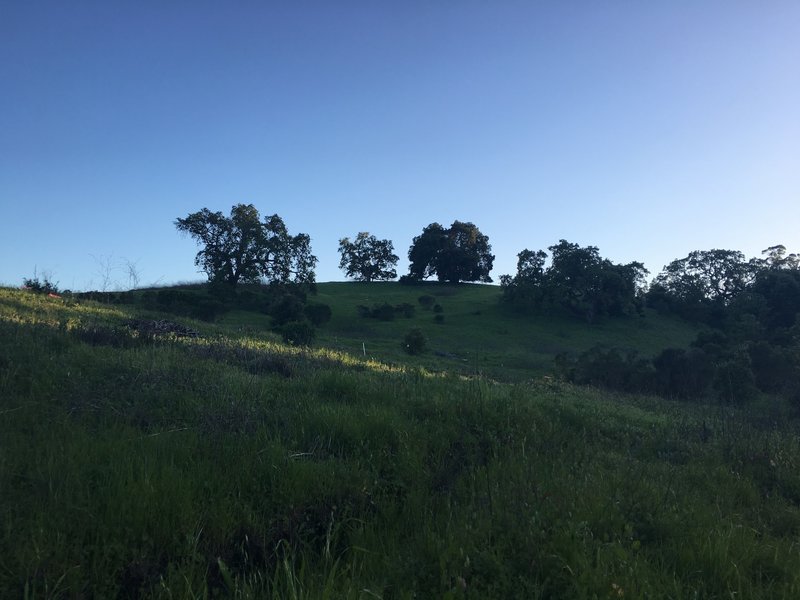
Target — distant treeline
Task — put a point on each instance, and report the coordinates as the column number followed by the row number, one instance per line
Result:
column 752, row 344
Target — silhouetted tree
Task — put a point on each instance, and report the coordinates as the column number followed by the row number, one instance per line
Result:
column 578, row 279
column 707, row 276
column 367, row 258
column 776, row 258
column 459, row 253
column 242, row 248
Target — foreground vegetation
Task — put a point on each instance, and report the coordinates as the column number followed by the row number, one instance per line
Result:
column 136, row 461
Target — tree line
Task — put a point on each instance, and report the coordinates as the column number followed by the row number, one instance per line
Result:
column 750, row 307
column 244, row 248
column 704, row 286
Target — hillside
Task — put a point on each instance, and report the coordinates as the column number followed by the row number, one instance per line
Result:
column 139, row 461
column 477, row 333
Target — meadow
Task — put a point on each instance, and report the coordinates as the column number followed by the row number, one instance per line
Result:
column 141, row 464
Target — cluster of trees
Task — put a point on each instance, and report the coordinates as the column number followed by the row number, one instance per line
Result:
column 578, row 280
column 752, row 305
column 752, row 344
column 242, row 248
column 454, row 254
column 713, row 286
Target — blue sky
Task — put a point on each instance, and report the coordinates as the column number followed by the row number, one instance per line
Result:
column 648, row 129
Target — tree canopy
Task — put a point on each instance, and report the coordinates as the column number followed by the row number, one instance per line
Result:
column 243, row 248
column 578, row 280
column 458, row 253
column 367, row 258
column 707, row 276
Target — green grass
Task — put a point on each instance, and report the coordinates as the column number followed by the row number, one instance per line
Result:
column 478, row 333
column 235, row 466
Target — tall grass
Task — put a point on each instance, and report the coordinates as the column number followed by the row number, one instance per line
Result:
column 172, row 468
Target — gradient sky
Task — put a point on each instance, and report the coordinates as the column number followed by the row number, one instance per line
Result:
column 648, row 129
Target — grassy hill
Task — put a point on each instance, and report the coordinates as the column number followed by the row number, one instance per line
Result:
column 476, row 334
column 136, row 461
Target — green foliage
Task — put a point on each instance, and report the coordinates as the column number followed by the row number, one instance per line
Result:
column 673, row 373
column 43, row 286
column 242, row 248
column 712, row 275
column 608, row 367
column 297, row 333
column 459, row 253
column 318, row 313
column 195, row 303
column 383, row 312
column 684, row 374
column 287, row 307
column 734, row 381
column 578, row 280
column 386, row 311
column 367, row 258
column 414, row 342
column 426, row 301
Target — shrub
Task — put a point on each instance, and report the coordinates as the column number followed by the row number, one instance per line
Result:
column 205, row 309
column 383, row 312
column 318, row 313
column 438, row 308
column 297, row 333
column 683, row 373
column 608, row 368
column 426, row 301
column 414, row 341
column 40, row 287
column 439, row 318
column 286, row 309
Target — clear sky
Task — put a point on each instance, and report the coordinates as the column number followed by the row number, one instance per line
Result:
column 648, row 129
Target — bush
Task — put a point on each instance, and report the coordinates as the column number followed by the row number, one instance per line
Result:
column 40, row 287
column 609, row 368
column 414, row 341
column 438, row 308
column 683, row 373
column 772, row 366
column 318, row 313
column 286, row 309
column 439, row 318
column 297, row 333
column 383, row 312
column 426, row 301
